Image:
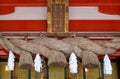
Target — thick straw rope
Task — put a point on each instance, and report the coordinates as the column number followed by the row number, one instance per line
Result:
column 26, row 61
column 59, row 45
column 37, row 48
column 86, row 44
column 53, row 49
column 3, row 44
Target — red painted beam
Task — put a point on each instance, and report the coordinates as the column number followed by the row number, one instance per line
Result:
column 95, row 25
column 74, row 25
column 3, row 53
column 1, row 48
column 23, row 25
column 6, row 10
column 71, row 2
column 23, row 3
column 117, row 53
column 113, row 10
column 110, row 56
column 93, row 2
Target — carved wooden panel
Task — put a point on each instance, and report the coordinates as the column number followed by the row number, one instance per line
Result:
column 57, row 16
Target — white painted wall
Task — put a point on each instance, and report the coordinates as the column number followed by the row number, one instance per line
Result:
column 75, row 13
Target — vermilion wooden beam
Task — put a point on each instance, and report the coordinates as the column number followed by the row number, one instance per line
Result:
column 114, row 10
column 117, row 53
column 95, row 25
column 23, row 25
column 110, row 56
column 74, row 25
column 1, row 48
column 71, row 2
column 3, row 52
column 6, row 10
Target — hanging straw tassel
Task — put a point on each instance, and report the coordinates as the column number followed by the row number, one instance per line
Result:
column 11, row 61
column 73, row 63
column 90, row 60
column 38, row 63
column 57, row 58
column 107, row 65
column 25, row 61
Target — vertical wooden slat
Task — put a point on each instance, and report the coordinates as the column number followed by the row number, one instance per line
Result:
column 29, row 73
column 65, row 73
column 47, row 70
column 84, row 73
column 102, row 72
column 118, row 67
